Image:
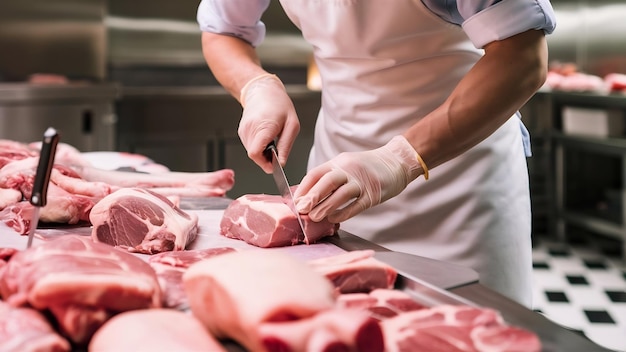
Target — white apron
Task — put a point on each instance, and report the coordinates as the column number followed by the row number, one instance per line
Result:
column 384, row 65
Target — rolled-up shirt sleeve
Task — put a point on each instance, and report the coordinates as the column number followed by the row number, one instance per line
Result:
column 237, row 18
column 508, row 18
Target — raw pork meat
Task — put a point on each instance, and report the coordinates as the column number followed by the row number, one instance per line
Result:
column 140, row 220
column 266, row 221
column 234, row 294
column 82, row 283
column 154, row 330
column 356, row 271
column 170, row 267
column 449, row 328
column 75, row 186
column 184, row 259
column 26, row 330
column 330, row 330
column 381, row 303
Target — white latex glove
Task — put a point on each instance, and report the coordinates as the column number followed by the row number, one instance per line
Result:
column 268, row 114
column 358, row 180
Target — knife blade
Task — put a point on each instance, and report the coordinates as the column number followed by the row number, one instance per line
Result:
column 283, row 185
column 39, row 196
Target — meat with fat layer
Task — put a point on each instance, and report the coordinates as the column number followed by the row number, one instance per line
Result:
column 82, row 283
column 154, row 330
column 355, row 271
column 143, row 221
column 265, row 220
column 170, row 267
column 27, row 330
column 234, row 294
column 330, row 330
column 449, row 328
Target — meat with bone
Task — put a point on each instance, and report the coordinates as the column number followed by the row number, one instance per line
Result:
column 218, row 181
column 27, row 330
column 140, row 220
column 455, row 328
column 76, row 186
column 355, row 271
column 170, row 267
column 70, row 198
column 80, row 282
column 266, row 221
column 154, row 330
column 283, row 289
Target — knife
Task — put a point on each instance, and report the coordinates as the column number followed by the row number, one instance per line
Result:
column 39, row 195
column 283, row 185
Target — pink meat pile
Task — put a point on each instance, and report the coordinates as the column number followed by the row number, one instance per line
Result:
column 70, row 292
column 566, row 77
column 75, row 186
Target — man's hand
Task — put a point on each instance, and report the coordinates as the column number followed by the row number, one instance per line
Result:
column 268, row 114
column 352, row 182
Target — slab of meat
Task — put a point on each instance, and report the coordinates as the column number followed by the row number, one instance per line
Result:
column 266, row 221
column 82, row 283
column 154, row 330
column 380, row 303
column 356, row 271
column 330, row 330
column 455, row 328
column 233, row 294
column 170, row 267
column 26, row 330
column 140, row 220
column 189, row 184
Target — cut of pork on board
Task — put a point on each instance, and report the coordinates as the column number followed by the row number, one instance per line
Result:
column 139, row 220
column 265, row 220
column 80, row 282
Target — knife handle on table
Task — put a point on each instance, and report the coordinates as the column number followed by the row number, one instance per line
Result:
column 44, row 168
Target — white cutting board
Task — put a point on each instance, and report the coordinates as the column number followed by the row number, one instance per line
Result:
column 208, row 237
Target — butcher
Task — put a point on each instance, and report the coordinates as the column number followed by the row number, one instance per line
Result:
column 410, row 88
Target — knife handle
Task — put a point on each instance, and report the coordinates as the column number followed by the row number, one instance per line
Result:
column 268, row 150
column 44, row 168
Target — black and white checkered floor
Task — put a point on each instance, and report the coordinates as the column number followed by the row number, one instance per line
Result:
column 582, row 285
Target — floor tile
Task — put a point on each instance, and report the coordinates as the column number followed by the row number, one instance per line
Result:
column 599, row 316
column 616, row 296
column 557, row 297
column 577, row 280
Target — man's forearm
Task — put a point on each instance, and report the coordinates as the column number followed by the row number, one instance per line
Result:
column 507, row 75
column 233, row 61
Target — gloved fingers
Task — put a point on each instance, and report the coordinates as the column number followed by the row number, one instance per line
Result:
column 336, row 200
column 255, row 135
column 317, row 185
column 350, row 210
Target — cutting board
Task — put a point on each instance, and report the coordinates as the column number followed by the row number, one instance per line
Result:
column 208, row 237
